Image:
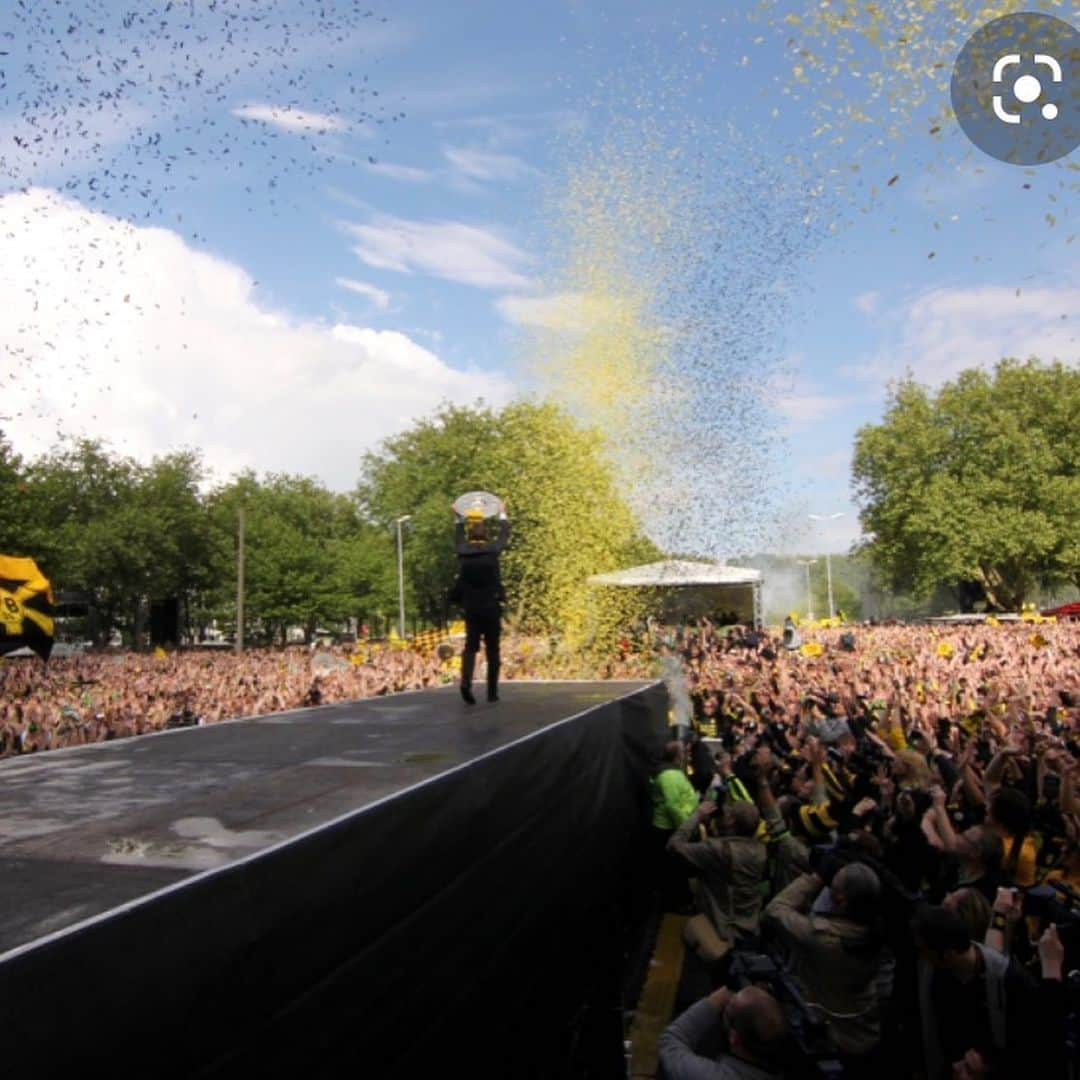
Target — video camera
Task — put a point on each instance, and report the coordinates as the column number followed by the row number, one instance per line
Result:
column 1056, row 902
column 811, row 1053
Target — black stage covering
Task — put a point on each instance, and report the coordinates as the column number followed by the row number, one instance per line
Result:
column 388, row 886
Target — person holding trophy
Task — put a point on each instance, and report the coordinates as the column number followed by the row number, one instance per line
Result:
column 478, row 589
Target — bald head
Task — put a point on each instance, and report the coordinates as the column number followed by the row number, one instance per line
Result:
column 757, row 1027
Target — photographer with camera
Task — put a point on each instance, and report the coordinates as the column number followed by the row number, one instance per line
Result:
column 753, row 1038
column 836, row 951
column 731, row 867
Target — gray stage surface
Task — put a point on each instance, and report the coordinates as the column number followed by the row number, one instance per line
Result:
column 87, row 830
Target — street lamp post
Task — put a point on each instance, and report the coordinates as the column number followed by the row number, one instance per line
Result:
column 401, row 575
column 828, row 559
column 809, row 596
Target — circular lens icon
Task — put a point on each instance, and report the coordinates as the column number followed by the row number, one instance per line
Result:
column 1016, row 88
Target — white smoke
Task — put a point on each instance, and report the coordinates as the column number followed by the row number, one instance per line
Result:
column 671, row 671
column 783, row 591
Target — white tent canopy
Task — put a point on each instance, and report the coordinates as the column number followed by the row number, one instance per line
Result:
column 711, row 584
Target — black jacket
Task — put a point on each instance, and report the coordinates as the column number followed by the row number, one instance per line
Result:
column 479, row 589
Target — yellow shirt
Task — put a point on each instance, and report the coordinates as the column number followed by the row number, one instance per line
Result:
column 1025, row 861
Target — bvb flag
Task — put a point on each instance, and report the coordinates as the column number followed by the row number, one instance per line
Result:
column 26, row 607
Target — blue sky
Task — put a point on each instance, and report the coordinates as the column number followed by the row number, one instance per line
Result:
column 286, row 312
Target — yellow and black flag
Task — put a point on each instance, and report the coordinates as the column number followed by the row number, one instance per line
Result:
column 26, row 607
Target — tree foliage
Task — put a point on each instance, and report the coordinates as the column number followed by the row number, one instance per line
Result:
column 569, row 521
column 309, row 560
column 979, row 482
column 127, row 533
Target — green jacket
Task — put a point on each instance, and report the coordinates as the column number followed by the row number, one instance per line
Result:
column 674, row 798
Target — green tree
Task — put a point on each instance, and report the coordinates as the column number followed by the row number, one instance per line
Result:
column 86, row 528
column 174, row 524
column 308, row 558
column 122, row 532
column 419, row 473
column 979, row 482
column 16, row 527
column 569, row 521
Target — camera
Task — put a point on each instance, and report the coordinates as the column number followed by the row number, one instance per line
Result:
column 810, row 1053
column 1055, row 902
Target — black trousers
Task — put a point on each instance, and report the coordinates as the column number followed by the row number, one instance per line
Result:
column 487, row 626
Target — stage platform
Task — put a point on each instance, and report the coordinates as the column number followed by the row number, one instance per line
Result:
column 293, row 888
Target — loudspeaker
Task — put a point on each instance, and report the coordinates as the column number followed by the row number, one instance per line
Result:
column 165, row 621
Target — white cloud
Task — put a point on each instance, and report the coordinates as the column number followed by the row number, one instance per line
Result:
column 399, row 172
column 129, row 334
column 446, row 249
column 798, row 399
column 484, row 165
column 379, row 297
column 867, row 302
column 288, row 118
column 944, row 331
column 556, row 311
column 517, row 127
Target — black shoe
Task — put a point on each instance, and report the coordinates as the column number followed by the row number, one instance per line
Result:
column 467, row 695
column 493, row 695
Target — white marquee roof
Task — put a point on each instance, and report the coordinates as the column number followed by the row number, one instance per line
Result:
column 675, row 572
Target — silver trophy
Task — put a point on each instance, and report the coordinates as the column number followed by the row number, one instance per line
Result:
column 484, row 502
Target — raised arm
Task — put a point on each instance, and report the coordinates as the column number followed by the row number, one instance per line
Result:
column 992, row 779
column 504, row 533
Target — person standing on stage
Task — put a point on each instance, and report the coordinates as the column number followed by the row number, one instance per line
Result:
column 479, row 592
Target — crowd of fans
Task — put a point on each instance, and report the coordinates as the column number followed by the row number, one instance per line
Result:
column 874, row 834
column 881, row 836
column 107, row 695
column 99, row 696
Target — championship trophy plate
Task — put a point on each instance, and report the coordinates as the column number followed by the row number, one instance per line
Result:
column 489, row 505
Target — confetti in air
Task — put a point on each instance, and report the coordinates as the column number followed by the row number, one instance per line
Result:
column 673, row 250
column 871, row 77
column 111, row 116
column 127, row 106
column 673, row 260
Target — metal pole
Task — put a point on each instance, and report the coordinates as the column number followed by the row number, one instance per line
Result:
column 240, row 582
column 828, row 560
column 401, row 583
